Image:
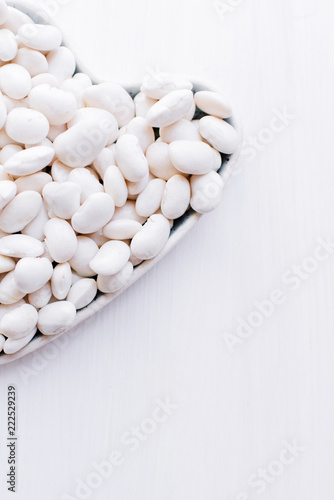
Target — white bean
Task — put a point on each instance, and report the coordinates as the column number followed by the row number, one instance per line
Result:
column 82, row 293
column 151, row 239
column 111, row 258
column 192, row 157
column 213, row 103
column 19, row 322
column 60, row 240
column 31, row 273
column 159, row 161
column 110, row 284
column 130, row 158
column 29, row 161
column 15, row 81
column 170, row 108
column 20, row 211
column 20, row 245
column 206, row 192
column 56, row 317
column 115, row 185
column 9, row 292
column 39, row 36
column 122, row 229
column 33, row 61
column 82, row 143
column 8, row 45
column 62, row 199
column 94, row 214
column 176, row 197
column 61, row 280
column 27, row 126
column 41, row 297
column 149, row 200
column 12, row 346
column 84, row 254
column 220, row 134
column 33, row 182
column 183, row 129
column 60, row 172
column 58, row 106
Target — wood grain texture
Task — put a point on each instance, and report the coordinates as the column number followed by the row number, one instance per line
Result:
column 166, row 336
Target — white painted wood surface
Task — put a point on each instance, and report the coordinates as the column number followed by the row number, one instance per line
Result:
column 166, row 336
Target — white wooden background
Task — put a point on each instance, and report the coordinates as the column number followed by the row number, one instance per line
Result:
column 166, row 336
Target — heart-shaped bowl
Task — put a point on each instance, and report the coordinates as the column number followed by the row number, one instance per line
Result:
column 181, row 225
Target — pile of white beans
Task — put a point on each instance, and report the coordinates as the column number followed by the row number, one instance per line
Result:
column 91, row 179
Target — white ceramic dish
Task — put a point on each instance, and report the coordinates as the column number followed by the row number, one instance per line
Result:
column 181, row 226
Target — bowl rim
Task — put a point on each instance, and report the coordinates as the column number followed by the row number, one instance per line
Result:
column 183, row 226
